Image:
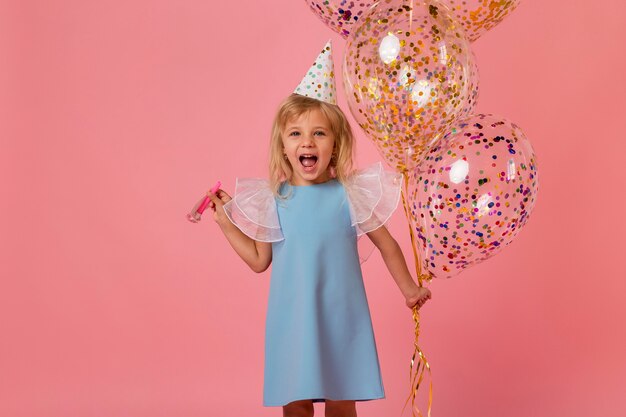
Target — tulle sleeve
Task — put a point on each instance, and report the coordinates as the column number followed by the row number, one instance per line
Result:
column 253, row 210
column 374, row 195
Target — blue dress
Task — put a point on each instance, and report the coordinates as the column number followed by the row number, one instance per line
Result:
column 319, row 341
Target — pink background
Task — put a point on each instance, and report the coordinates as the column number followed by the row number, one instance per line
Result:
column 116, row 117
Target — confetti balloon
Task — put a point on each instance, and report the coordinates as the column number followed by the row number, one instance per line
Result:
column 471, row 194
column 478, row 16
column 340, row 15
column 409, row 73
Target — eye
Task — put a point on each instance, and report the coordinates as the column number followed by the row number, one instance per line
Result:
column 294, row 133
column 320, row 133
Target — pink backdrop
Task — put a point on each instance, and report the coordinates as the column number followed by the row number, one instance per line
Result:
column 116, row 116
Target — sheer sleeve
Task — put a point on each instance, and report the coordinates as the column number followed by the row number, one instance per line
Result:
column 253, row 210
column 374, row 195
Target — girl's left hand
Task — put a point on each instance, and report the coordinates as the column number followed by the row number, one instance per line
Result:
column 418, row 298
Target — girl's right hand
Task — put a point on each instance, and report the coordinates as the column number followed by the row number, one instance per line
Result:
column 218, row 200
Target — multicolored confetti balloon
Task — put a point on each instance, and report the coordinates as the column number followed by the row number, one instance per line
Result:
column 409, row 74
column 471, row 194
column 479, row 16
column 340, row 15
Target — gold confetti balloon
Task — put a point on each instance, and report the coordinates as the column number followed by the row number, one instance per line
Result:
column 472, row 193
column 479, row 16
column 409, row 73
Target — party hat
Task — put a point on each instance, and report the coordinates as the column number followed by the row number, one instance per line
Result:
column 319, row 81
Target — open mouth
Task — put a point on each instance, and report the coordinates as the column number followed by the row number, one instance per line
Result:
column 308, row 161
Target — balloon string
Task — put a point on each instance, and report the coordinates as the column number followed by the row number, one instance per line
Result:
column 416, row 375
column 418, row 265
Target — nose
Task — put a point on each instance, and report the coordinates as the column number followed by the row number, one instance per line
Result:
column 308, row 141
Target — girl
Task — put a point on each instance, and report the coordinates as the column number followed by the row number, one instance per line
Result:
column 319, row 342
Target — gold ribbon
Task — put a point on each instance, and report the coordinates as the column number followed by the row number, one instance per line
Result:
column 415, row 379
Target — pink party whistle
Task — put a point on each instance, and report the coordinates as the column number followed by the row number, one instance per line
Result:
column 196, row 216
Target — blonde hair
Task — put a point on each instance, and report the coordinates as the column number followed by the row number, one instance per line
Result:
column 294, row 106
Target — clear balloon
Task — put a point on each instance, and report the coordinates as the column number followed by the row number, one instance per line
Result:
column 340, row 15
column 409, row 73
column 472, row 193
column 479, row 16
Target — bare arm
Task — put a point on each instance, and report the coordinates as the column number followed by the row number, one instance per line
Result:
column 396, row 264
column 258, row 255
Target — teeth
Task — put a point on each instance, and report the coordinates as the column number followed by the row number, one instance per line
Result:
column 308, row 160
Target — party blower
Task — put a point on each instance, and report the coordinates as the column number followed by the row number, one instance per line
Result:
column 196, row 215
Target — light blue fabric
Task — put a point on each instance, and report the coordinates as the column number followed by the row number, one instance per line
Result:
column 319, row 341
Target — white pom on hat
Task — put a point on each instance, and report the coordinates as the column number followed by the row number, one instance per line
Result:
column 319, row 81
